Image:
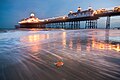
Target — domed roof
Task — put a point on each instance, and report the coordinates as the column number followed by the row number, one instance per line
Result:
column 32, row 14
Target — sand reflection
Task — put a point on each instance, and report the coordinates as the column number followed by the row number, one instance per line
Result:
column 93, row 43
column 34, row 41
column 64, row 39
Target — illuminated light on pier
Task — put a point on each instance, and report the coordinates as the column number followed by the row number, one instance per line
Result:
column 101, row 11
column 64, row 17
column 117, row 9
column 31, row 19
column 95, row 12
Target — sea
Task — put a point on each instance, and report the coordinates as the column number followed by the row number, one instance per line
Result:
column 87, row 54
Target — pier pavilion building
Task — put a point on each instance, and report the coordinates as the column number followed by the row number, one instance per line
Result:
column 80, row 13
column 31, row 22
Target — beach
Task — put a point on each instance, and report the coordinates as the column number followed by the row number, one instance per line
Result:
column 87, row 54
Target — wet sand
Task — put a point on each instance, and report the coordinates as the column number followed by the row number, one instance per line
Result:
column 87, row 55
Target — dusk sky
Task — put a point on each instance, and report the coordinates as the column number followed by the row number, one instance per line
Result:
column 12, row 11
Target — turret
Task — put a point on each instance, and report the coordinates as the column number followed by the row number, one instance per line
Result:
column 71, row 11
column 90, row 8
column 79, row 9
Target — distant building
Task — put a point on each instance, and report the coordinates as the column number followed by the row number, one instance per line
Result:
column 80, row 13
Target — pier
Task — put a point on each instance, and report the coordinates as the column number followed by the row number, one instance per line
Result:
column 73, row 19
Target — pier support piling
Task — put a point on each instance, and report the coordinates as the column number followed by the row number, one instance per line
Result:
column 108, row 22
column 91, row 24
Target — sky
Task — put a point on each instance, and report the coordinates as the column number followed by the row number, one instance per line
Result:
column 12, row 11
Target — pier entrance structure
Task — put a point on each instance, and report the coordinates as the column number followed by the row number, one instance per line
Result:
column 73, row 19
column 31, row 22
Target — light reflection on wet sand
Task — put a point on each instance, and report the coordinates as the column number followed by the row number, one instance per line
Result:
column 87, row 55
